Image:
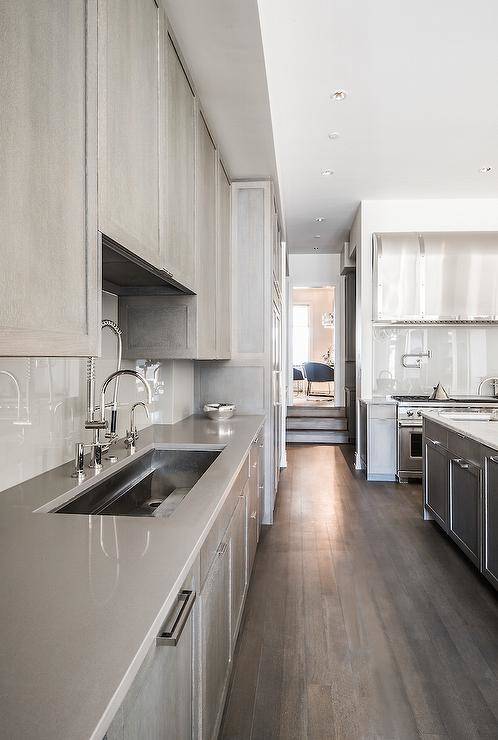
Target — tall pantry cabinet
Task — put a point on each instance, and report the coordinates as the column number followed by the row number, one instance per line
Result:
column 252, row 379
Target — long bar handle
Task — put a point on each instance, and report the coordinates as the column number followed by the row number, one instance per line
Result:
column 171, row 637
column 461, row 463
column 493, row 459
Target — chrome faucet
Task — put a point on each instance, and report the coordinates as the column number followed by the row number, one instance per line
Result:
column 90, row 380
column 488, row 379
column 132, row 433
column 96, row 447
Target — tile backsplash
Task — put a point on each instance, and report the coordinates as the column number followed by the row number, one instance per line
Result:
column 43, row 404
column 460, row 357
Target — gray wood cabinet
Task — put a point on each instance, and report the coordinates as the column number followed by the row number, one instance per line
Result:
column 224, row 267
column 129, row 125
column 464, row 520
column 50, row 298
column 490, row 518
column 238, row 564
column 214, row 636
column 436, row 481
column 254, row 488
column 158, row 705
column 205, row 230
column 177, row 166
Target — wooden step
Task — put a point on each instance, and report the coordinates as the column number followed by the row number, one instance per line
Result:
column 316, row 422
column 327, row 411
column 317, row 437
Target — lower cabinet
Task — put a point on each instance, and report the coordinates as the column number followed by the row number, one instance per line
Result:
column 436, row 481
column 464, row 520
column 214, row 636
column 158, row 705
column 490, row 519
column 238, row 563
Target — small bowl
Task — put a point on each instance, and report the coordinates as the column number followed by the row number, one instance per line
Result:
column 219, row 411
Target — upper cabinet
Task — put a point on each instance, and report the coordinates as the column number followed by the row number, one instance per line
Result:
column 224, row 267
column 177, row 166
column 129, row 125
column 205, row 237
column 49, row 302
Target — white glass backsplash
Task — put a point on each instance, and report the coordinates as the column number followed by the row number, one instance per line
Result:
column 41, row 422
column 461, row 356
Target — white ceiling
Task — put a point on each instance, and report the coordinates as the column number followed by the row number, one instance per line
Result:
column 420, row 118
column 221, row 43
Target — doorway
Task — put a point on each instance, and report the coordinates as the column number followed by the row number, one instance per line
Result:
column 313, row 346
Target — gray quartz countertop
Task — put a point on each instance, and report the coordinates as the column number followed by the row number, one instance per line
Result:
column 485, row 432
column 83, row 597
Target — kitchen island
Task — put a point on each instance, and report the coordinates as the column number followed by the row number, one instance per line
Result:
column 84, row 597
column 460, row 474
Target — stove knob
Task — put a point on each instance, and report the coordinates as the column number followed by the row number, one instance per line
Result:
column 419, row 413
column 409, row 413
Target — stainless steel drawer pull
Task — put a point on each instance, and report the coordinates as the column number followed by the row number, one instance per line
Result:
column 435, row 442
column 261, row 487
column 171, row 637
column 461, row 463
column 222, row 549
column 253, row 515
column 493, row 459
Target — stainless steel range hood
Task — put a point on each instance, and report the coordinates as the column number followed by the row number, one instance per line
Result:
column 435, row 278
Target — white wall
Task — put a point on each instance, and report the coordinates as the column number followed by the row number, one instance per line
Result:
column 53, row 404
column 316, row 271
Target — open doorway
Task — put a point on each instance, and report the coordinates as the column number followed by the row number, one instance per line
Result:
column 313, row 346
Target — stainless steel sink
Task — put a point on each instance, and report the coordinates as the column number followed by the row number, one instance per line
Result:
column 152, row 485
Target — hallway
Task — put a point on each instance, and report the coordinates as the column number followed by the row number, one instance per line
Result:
column 361, row 621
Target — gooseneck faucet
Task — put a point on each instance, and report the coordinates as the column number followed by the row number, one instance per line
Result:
column 488, row 379
column 132, row 433
column 90, row 380
column 96, row 447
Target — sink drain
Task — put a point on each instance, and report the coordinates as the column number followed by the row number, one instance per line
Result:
column 153, row 503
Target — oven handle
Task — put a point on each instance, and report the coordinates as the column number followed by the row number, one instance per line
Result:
column 409, row 425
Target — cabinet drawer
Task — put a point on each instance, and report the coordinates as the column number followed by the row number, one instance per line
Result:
column 436, row 432
column 461, row 446
column 208, row 550
column 382, row 411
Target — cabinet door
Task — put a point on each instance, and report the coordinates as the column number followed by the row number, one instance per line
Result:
column 177, row 167
column 436, row 482
column 490, row 550
column 128, row 125
column 252, row 514
column 205, row 214
column 215, row 641
column 464, row 521
column 238, row 562
column 158, row 705
column 224, row 268
column 50, row 297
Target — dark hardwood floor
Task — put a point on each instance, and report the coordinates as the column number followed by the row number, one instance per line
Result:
column 362, row 621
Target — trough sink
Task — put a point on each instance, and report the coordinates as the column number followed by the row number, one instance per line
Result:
column 152, row 485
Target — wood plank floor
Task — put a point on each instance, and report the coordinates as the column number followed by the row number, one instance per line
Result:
column 362, row 621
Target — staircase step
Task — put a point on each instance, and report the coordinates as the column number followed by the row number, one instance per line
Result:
column 317, row 437
column 327, row 411
column 316, row 422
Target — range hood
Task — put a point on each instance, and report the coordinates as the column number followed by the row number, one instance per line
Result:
column 123, row 273
column 435, row 277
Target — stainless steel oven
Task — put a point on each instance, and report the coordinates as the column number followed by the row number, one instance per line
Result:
column 409, row 450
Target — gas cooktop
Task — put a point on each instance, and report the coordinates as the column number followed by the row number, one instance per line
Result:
column 454, row 399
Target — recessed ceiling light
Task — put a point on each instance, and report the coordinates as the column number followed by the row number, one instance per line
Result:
column 333, row 135
column 484, row 170
column 327, row 173
column 320, row 219
column 338, row 95
column 317, row 236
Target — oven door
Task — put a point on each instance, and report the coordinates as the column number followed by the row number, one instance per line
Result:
column 409, row 450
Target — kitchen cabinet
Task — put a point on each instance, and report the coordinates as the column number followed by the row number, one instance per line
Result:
column 253, row 502
column 214, row 635
column 50, row 298
column 128, row 62
column 177, row 166
column 436, row 481
column 465, row 507
column 224, row 267
column 159, row 702
column 205, row 230
column 238, row 563
column 490, row 518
